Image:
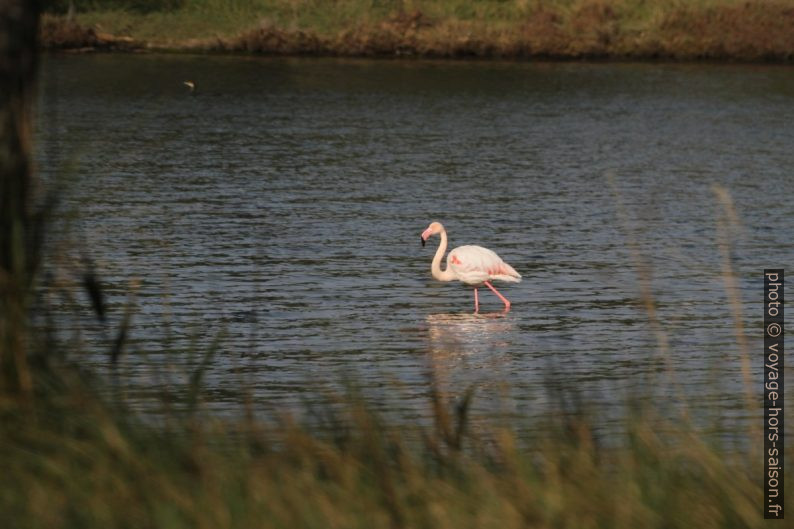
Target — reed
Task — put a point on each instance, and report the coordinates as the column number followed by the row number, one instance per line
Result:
column 77, row 459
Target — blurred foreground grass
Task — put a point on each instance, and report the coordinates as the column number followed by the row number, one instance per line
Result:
column 72, row 458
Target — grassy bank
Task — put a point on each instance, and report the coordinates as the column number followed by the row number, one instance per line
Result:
column 751, row 30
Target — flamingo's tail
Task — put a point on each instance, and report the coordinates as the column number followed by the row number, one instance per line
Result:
column 506, row 273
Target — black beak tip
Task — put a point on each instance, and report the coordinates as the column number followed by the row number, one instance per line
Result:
column 423, row 241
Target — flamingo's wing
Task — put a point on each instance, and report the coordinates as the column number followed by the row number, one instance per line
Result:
column 475, row 264
column 505, row 272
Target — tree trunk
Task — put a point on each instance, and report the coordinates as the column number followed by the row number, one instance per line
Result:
column 19, row 21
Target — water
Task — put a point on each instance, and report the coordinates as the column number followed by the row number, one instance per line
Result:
column 278, row 209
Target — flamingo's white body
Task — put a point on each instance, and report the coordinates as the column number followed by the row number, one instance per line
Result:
column 473, row 265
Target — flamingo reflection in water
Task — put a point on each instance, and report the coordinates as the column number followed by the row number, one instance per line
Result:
column 470, row 353
column 469, row 335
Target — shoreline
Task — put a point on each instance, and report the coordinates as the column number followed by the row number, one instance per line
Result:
column 748, row 32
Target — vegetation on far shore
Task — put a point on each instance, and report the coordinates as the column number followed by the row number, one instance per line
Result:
column 740, row 30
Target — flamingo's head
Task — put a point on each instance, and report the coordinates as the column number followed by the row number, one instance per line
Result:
column 434, row 229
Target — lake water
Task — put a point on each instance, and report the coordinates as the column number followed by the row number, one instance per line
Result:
column 277, row 210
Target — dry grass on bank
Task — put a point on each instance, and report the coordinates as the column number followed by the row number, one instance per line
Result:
column 754, row 30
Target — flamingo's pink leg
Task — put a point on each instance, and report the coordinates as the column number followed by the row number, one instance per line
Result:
column 476, row 302
column 504, row 299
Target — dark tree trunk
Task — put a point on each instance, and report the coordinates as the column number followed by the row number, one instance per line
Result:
column 19, row 20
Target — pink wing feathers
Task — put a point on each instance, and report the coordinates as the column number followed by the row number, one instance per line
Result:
column 474, row 265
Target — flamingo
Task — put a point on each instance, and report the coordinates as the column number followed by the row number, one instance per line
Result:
column 473, row 265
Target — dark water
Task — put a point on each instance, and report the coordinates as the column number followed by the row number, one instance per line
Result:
column 278, row 209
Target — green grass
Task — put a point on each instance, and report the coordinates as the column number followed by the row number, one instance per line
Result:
column 210, row 18
column 206, row 18
column 701, row 29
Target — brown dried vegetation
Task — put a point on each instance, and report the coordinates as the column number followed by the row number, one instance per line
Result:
column 63, row 33
column 756, row 30
column 750, row 31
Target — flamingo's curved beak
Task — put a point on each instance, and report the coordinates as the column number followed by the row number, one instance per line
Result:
column 426, row 235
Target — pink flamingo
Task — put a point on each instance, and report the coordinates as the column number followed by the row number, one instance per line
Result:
column 473, row 265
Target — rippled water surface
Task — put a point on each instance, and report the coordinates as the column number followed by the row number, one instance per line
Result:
column 277, row 210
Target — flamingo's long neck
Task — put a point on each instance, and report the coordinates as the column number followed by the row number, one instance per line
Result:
column 435, row 267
